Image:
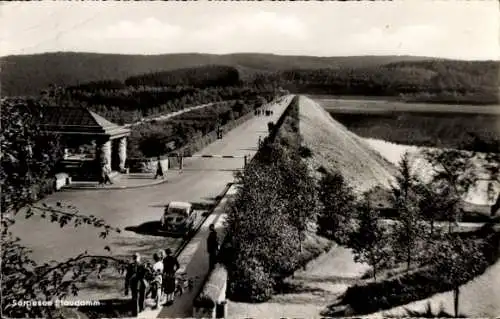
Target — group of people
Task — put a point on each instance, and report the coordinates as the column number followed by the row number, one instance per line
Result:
column 159, row 280
column 156, row 280
column 260, row 112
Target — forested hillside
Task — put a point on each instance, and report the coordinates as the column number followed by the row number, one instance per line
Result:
column 439, row 81
column 164, row 92
column 407, row 78
column 29, row 74
column 199, row 77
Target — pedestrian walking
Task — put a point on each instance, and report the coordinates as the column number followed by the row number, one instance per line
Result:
column 212, row 246
column 107, row 179
column 135, row 282
column 159, row 170
column 105, row 171
column 102, row 175
column 170, row 266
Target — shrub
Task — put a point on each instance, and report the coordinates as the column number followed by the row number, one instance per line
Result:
column 339, row 207
column 270, row 126
column 305, row 151
column 249, row 282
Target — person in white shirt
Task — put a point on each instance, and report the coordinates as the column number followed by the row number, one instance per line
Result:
column 157, row 281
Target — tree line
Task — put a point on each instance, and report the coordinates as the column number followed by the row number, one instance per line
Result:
column 432, row 81
column 132, row 104
column 199, row 77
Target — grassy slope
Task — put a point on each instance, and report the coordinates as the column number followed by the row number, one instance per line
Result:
column 334, row 147
column 70, row 68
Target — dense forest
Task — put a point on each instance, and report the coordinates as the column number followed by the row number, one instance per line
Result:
column 152, row 94
column 131, row 78
column 29, row 74
column 438, row 81
column 200, row 77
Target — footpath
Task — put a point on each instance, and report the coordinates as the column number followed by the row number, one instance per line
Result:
column 169, row 115
column 193, row 259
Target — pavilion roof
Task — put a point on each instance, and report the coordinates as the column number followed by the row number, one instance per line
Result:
column 79, row 121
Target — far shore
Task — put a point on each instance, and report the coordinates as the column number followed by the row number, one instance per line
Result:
column 383, row 104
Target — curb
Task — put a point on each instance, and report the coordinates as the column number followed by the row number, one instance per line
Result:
column 211, row 211
column 96, row 188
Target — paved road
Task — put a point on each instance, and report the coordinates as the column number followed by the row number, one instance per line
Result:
column 202, row 179
column 170, row 115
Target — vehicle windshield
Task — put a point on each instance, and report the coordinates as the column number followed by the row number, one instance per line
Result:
column 177, row 211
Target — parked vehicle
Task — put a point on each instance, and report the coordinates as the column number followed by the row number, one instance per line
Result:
column 178, row 218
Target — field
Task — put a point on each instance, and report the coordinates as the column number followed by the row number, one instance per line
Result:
column 433, row 125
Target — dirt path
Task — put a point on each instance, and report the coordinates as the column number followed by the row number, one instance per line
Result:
column 310, row 290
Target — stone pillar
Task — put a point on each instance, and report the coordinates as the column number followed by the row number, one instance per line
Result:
column 104, row 151
column 122, row 153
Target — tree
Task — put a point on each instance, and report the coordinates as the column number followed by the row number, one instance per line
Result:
column 259, row 225
column 338, row 202
column 371, row 240
column 28, row 159
column 153, row 145
column 458, row 261
column 460, row 169
column 299, row 192
column 408, row 227
column 437, row 202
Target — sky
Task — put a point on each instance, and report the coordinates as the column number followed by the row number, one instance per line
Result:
column 456, row 29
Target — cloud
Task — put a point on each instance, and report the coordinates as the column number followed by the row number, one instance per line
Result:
column 400, row 40
column 262, row 25
column 271, row 22
column 150, row 28
column 314, row 28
